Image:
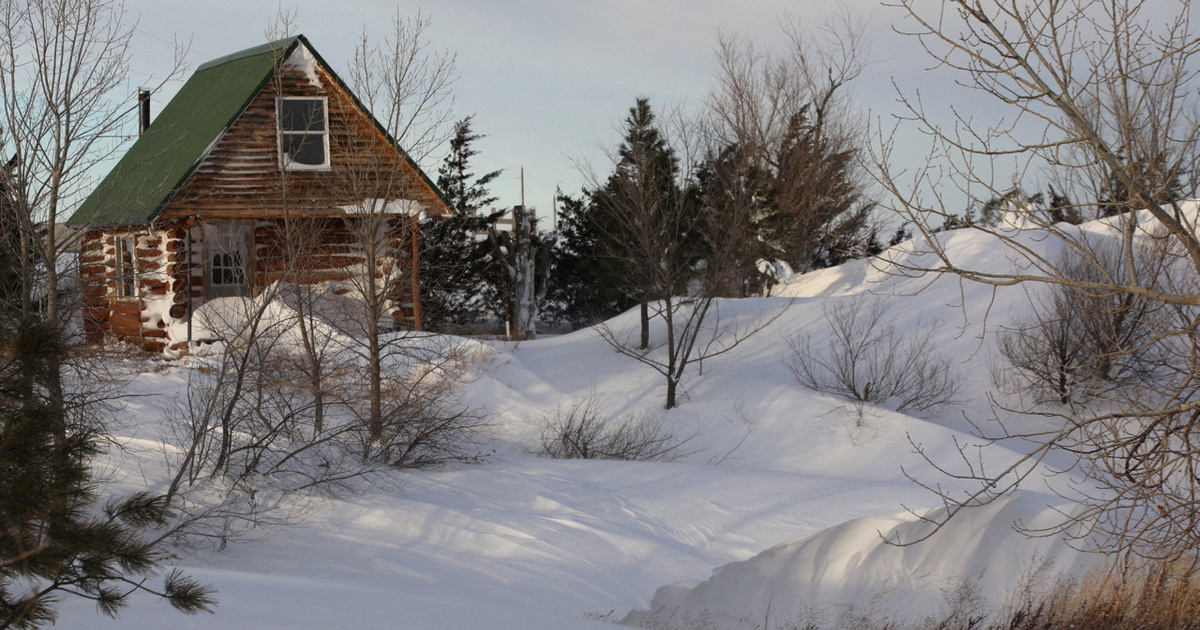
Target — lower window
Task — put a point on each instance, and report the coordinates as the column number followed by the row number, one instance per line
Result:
column 227, row 259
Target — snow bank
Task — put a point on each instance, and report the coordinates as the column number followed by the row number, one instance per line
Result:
column 225, row 319
column 520, row 541
column 852, row 569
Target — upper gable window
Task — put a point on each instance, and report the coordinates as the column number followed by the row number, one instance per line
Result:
column 303, row 133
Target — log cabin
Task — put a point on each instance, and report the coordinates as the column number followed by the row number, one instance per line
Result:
column 265, row 168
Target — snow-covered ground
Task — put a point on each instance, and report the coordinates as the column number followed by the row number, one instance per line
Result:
column 775, row 512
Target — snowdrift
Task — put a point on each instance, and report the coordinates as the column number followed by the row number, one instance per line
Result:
column 855, row 569
column 514, row 540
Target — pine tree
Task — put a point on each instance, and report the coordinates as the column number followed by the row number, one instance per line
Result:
column 645, row 220
column 455, row 284
column 463, row 191
column 53, row 539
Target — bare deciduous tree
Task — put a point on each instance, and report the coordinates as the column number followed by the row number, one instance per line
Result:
column 1101, row 99
column 1077, row 344
column 668, row 249
column 248, row 452
column 407, row 89
column 62, row 63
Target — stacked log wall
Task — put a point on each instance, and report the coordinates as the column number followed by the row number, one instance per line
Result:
column 160, row 279
column 94, row 276
column 330, row 251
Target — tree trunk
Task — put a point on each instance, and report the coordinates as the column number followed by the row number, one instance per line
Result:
column 673, row 371
column 375, row 377
column 524, row 304
column 374, row 355
column 645, row 316
column 314, row 367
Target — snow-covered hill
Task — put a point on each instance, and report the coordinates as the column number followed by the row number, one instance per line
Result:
column 783, row 492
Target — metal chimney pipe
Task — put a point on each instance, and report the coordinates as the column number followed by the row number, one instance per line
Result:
column 143, row 111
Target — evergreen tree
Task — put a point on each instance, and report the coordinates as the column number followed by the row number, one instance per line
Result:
column 1153, row 173
column 632, row 239
column 463, row 191
column 668, row 251
column 647, row 169
column 581, row 292
column 734, row 195
column 1014, row 200
column 53, row 539
column 818, row 217
column 1062, row 209
column 645, row 219
column 456, row 288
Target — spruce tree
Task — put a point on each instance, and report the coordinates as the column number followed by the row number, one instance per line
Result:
column 465, row 192
column 457, row 283
column 644, row 218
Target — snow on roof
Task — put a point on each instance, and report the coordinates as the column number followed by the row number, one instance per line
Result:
column 385, row 206
column 302, row 59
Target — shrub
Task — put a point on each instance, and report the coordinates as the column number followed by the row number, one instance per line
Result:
column 584, row 431
column 1078, row 344
column 868, row 361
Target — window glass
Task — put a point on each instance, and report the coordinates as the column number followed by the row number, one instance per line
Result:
column 303, row 148
column 126, row 286
column 227, row 247
column 303, row 133
column 302, row 114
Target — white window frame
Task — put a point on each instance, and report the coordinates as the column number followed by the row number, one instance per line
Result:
column 285, row 162
column 125, row 271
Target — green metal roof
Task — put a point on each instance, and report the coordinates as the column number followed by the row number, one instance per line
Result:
column 162, row 158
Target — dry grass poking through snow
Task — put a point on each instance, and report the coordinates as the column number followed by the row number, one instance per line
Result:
column 1152, row 596
column 1156, row 597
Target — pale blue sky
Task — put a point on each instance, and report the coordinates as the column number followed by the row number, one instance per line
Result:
column 548, row 80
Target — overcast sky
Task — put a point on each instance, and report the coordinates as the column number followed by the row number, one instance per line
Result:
column 548, row 81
